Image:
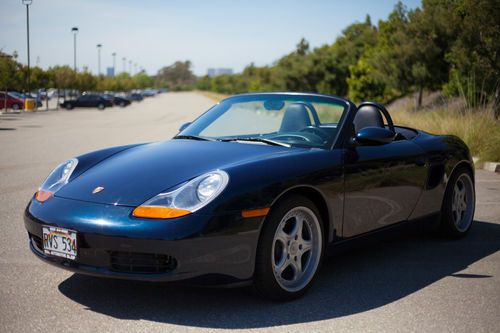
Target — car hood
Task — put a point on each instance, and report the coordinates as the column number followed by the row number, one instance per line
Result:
column 135, row 175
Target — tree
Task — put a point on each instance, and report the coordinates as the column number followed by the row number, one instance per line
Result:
column 294, row 69
column 176, row 77
column 142, row 80
column 475, row 54
column 345, row 52
column 8, row 78
column 64, row 77
column 85, row 81
column 364, row 85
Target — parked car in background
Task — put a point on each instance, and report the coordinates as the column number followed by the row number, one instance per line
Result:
column 117, row 100
column 135, row 97
column 22, row 97
column 88, row 101
column 13, row 102
column 149, row 92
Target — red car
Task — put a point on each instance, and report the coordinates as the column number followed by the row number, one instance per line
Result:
column 12, row 102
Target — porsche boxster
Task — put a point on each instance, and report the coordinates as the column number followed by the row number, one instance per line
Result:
column 256, row 190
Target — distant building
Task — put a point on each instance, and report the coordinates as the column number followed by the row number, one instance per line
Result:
column 219, row 71
column 110, row 71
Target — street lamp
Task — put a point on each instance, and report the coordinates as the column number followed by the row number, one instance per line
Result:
column 114, row 63
column 74, row 30
column 124, row 59
column 27, row 3
column 135, row 67
column 130, row 67
column 99, row 46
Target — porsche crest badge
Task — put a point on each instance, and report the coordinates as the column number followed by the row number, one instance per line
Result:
column 98, row 189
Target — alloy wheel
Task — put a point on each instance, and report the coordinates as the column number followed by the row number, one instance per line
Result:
column 463, row 201
column 296, row 249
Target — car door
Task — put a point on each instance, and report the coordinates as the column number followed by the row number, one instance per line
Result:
column 82, row 101
column 94, row 101
column 382, row 184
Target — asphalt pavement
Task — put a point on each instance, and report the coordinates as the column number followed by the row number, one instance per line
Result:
column 410, row 283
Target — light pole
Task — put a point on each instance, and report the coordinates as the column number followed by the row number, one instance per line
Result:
column 27, row 3
column 75, row 32
column 114, row 63
column 135, row 67
column 99, row 46
column 130, row 67
column 124, row 64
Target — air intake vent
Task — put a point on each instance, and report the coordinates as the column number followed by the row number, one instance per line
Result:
column 148, row 263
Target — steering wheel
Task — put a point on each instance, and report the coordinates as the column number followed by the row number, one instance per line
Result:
column 316, row 131
column 293, row 136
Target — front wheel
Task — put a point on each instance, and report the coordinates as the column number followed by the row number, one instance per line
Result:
column 290, row 249
column 458, row 204
column 15, row 107
column 101, row 106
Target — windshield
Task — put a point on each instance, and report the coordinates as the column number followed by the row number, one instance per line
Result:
column 16, row 94
column 289, row 120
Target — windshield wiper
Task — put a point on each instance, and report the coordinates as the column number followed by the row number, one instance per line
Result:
column 193, row 137
column 256, row 139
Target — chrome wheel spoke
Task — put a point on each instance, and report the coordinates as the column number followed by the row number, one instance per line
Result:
column 279, row 269
column 297, row 230
column 306, row 246
column 297, row 267
column 283, row 237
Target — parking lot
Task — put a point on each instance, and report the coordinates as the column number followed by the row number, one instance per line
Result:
column 412, row 283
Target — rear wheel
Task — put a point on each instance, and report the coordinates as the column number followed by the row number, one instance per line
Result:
column 290, row 249
column 459, row 204
column 69, row 106
column 15, row 107
column 101, row 106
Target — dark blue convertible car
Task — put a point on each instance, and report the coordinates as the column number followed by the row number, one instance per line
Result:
column 257, row 189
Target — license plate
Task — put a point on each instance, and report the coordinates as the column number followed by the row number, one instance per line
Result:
column 59, row 242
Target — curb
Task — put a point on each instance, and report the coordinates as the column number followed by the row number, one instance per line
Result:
column 492, row 166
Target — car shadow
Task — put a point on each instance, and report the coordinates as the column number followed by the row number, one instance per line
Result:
column 354, row 282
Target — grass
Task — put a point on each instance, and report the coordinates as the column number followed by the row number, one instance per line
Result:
column 216, row 97
column 477, row 127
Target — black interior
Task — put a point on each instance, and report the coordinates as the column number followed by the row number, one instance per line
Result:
column 367, row 116
column 295, row 118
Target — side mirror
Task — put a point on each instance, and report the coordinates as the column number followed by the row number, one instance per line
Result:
column 183, row 126
column 373, row 136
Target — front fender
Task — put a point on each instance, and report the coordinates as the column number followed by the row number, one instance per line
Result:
column 89, row 160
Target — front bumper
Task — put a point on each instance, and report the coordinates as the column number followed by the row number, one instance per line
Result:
column 217, row 249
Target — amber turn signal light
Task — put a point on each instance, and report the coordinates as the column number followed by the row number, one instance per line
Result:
column 154, row 212
column 254, row 212
column 42, row 196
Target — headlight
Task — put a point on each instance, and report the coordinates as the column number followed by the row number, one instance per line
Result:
column 57, row 179
column 185, row 200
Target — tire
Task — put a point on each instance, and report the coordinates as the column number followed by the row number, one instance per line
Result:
column 15, row 107
column 457, row 212
column 69, row 106
column 284, row 267
column 101, row 106
column 122, row 104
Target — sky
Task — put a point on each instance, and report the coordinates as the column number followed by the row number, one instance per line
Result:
column 156, row 33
